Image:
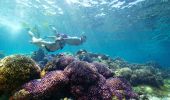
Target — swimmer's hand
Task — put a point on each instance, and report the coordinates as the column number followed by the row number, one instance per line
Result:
column 83, row 38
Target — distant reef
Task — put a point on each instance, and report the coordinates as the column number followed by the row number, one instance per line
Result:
column 80, row 76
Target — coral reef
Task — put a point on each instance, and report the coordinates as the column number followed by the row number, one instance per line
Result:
column 124, row 72
column 103, row 69
column 83, row 55
column 113, row 64
column 80, row 80
column 59, row 63
column 140, row 74
column 16, row 70
column 87, row 76
column 151, row 93
column 121, row 88
column 86, row 82
column 166, row 74
column 80, row 72
column 51, row 86
column 41, row 57
column 137, row 74
column 145, row 76
column 38, row 55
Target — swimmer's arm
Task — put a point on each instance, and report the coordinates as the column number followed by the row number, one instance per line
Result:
column 50, row 37
column 73, row 40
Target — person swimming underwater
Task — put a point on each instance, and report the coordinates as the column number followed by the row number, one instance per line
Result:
column 59, row 41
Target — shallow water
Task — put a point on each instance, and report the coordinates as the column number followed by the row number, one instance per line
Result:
column 135, row 30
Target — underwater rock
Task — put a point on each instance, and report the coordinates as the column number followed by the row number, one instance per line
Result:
column 51, row 86
column 38, row 55
column 121, row 89
column 16, row 70
column 81, row 51
column 59, row 63
column 103, row 69
column 42, row 58
column 83, row 55
column 47, row 58
column 80, row 72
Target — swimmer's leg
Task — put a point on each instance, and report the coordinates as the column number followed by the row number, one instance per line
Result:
column 31, row 34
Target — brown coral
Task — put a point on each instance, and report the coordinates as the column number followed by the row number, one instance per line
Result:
column 16, row 70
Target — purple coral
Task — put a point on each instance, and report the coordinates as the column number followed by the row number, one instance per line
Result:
column 77, row 91
column 59, row 63
column 53, row 82
column 64, row 61
column 100, row 91
column 81, row 72
column 120, row 88
column 103, row 69
column 97, row 91
column 79, row 80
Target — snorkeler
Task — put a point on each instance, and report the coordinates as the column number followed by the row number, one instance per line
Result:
column 59, row 41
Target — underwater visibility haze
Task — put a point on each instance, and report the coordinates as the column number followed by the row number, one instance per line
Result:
column 137, row 30
column 133, row 31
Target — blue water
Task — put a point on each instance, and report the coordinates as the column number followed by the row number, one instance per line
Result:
column 135, row 30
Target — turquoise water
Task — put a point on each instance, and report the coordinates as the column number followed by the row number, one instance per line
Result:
column 135, row 30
